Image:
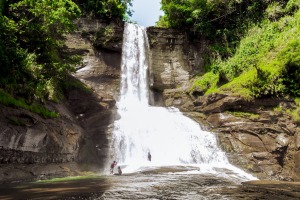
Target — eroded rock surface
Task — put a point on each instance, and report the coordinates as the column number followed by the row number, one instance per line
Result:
column 102, row 45
column 174, row 58
column 255, row 136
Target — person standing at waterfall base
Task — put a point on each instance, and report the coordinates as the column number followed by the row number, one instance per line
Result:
column 119, row 170
column 149, row 156
column 112, row 166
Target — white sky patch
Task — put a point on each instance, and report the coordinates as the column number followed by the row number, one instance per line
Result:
column 146, row 12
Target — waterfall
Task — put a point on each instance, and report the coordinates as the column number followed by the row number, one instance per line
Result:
column 172, row 138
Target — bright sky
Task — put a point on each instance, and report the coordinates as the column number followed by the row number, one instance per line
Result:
column 146, row 12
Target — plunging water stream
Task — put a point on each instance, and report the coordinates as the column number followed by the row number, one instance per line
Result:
column 172, row 138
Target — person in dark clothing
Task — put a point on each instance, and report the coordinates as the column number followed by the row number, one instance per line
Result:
column 119, row 170
column 112, row 166
column 149, row 156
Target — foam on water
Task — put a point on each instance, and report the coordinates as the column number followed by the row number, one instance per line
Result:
column 172, row 138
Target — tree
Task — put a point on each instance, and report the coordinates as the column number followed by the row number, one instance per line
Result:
column 225, row 20
column 106, row 9
column 31, row 44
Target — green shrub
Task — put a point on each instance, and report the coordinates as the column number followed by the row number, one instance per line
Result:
column 8, row 100
column 266, row 63
column 205, row 84
column 244, row 115
column 295, row 112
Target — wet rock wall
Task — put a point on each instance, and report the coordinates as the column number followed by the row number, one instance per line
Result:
column 175, row 58
column 29, row 138
column 101, row 43
column 255, row 136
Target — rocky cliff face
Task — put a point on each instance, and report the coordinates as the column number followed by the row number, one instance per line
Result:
column 29, row 138
column 102, row 46
column 255, row 136
column 34, row 147
column 174, row 58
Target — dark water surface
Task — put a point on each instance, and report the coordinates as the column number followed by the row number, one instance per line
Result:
column 162, row 183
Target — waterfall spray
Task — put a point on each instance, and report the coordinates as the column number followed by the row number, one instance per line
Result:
column 172, row 138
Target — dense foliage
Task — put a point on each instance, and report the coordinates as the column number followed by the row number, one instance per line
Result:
column 224, row 20
column 105, row 9
column 255, row 50
column 31, row 47
column 33, row 56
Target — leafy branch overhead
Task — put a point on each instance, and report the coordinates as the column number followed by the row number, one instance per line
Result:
column 33, row 60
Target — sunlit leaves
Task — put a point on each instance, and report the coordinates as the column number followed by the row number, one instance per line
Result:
column 47, row 12
column 274, row 11
column 31, row 37
column 266, row 63
column 32, row 54
column 106, row 9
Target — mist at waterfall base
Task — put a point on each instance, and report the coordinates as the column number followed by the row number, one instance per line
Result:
column 172, row 138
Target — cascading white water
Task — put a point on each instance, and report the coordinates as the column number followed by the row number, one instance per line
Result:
column 172, row 138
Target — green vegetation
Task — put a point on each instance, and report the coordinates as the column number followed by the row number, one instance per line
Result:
column 245, row 115
column 267, row 61
column 255, row 49
column 295, row 112
column 34, row 60
column 207, row 83
column 70, row 178
column 113, row 10
column 8, row 100
column 224, row 21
